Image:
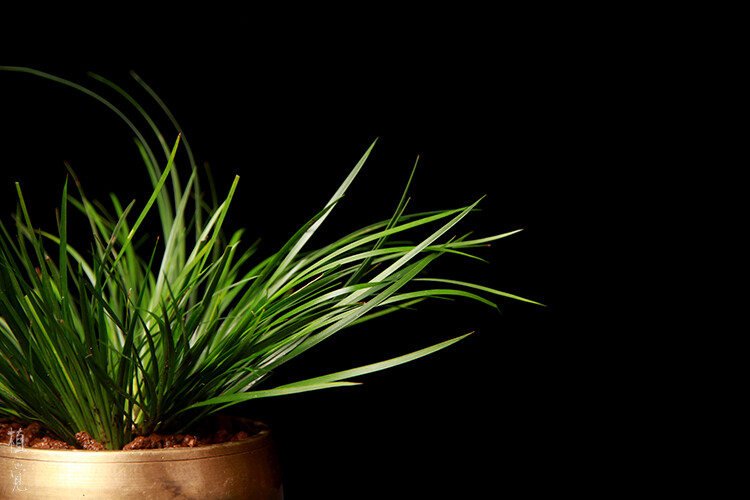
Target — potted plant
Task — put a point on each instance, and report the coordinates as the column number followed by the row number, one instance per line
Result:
column 136, row 343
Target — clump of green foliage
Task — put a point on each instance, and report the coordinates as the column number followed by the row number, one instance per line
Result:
column 130, row 339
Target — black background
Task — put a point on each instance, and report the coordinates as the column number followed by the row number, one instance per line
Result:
column 518, row 119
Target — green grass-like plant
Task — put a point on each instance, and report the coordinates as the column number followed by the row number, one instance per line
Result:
column 133, row 337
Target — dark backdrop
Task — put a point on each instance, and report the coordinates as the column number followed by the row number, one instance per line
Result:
column 502, row 409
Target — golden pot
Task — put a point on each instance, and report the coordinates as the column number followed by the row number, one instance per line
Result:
column 246, row 469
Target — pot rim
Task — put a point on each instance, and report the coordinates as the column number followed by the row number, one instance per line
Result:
column 254, row 442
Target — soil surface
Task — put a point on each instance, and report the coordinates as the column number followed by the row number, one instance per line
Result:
column 217, row 430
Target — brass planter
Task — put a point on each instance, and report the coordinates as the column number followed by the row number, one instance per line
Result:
column 246, row 469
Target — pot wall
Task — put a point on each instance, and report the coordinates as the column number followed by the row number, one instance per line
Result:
column 246, row 469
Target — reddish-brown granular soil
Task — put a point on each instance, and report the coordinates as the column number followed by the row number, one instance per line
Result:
column 34, row 436
column 30, row 436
